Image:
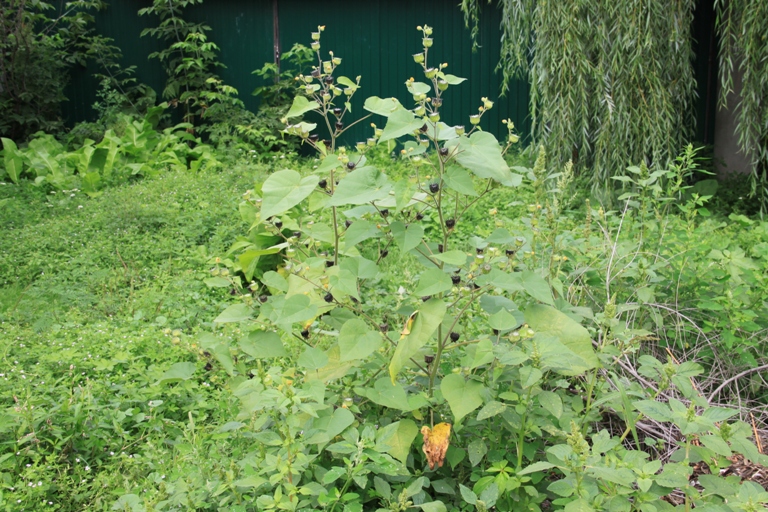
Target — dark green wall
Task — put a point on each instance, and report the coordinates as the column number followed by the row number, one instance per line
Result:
column 375, row 40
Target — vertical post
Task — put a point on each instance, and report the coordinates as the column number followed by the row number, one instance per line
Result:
column 276, row 39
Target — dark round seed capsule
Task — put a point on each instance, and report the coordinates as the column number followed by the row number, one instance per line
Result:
column 329, row 263
column 278, row 224
column 339, row 125
column 434, row 187
column 419, row 216
column 328, row 297
column 429, row 359
column 443, row 151
column 439, row 247
column 455, row 279
column 510, row 252
column 384, row 327
column 426, row 298
column 495, row 332
column 347, row 222
column 384, row 212
column 297, row 234
column 208, row 367
column 322, row 183
column 351, row 165
column 384, row 253
column 337, row 112
column 305, row 333
column 423, row 129
column 263, row 298
column 450, row 223
column 454, row 336
column 314, row 137
column 328, row 80
column 327, row 143
column 479, row 250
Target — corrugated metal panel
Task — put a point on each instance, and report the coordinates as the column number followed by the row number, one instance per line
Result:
column 376, row 40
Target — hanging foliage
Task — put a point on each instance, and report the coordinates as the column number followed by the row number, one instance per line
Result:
column 612, row 81
column 743, row 30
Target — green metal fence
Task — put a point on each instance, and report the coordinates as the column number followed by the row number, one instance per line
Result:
column 375, row 39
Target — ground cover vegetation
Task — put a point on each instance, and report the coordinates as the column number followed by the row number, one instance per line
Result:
column 192, row 321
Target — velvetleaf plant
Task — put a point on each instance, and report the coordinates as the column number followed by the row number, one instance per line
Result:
column 476, row 328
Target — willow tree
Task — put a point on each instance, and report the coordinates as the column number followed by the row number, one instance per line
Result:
column 743, row 30
column 612, row 81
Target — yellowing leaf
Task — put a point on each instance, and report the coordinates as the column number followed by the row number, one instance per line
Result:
column 436, row 442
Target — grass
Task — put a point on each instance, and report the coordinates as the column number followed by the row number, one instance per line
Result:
column 98, row 298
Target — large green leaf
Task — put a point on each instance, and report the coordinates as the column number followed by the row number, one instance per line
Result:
column 563, row 337
column 301, row 105
column 396, row 438
column 234, row 313
column 12, row 159
column 283, row 190
column 263, row 345
column 433, row 281
column 462, row 396
column 538, row 288
column 356, row 341
column 458, row 179
column 428, row 318
column 361, row 186
column 360, row 230
column 385, row 393
column 401, row 122
column 382, row 106
column 406, row 238
column 177, row 372
column 481, row 154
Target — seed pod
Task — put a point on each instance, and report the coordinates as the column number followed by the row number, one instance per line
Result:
column 322, row 183
column 428, row 359
column 454, row 336
column 450, row 223
column 347, row 222
column 263, row 298
column 455, row 279
column 351, row 165
column 278, row 224
column 419, row 216
column 384, row 253
column 339, row 125
column 384, row 327
column 426, row 298
column 434, row 187
column 305, row 333
column 328, row 297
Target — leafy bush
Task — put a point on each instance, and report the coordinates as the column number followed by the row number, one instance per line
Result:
column 370, row 304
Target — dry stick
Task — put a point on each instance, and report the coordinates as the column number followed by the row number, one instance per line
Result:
column 734, row 378
column 757, row 437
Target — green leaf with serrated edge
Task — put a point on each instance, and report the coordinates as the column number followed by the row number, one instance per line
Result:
column 301, row 105
column 335, row 369
column 406, row 238
column 502, row 321
column 361, row 186
column 454, row 257
column 458, row 179
column 433, row 281
column 358, row 231
column 481, row 154
column 476, row 450
column 177, row 372
column 462, row 396
column 382, row 106
column 717, row 445
column 296, row 308
column 344, row 284
column 570, row 334
column 579, row 505
column 283, row 190
column 329, row 163
column 396, row 439
column 401, row 122
column 536, row 467
column 234, row 313
column 386, row 393
column 537, row 287
column 551, row 402
column 490, row 410
column 530, row 376
column 356, row 341
column 478, row 354
column 263, row 345
column 428, row 318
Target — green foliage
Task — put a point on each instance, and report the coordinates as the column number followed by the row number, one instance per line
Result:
column 190, row 59
column 38, row 44
column 626, row 93
column 740, row 25
column 368, row 299
column 138, row 150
